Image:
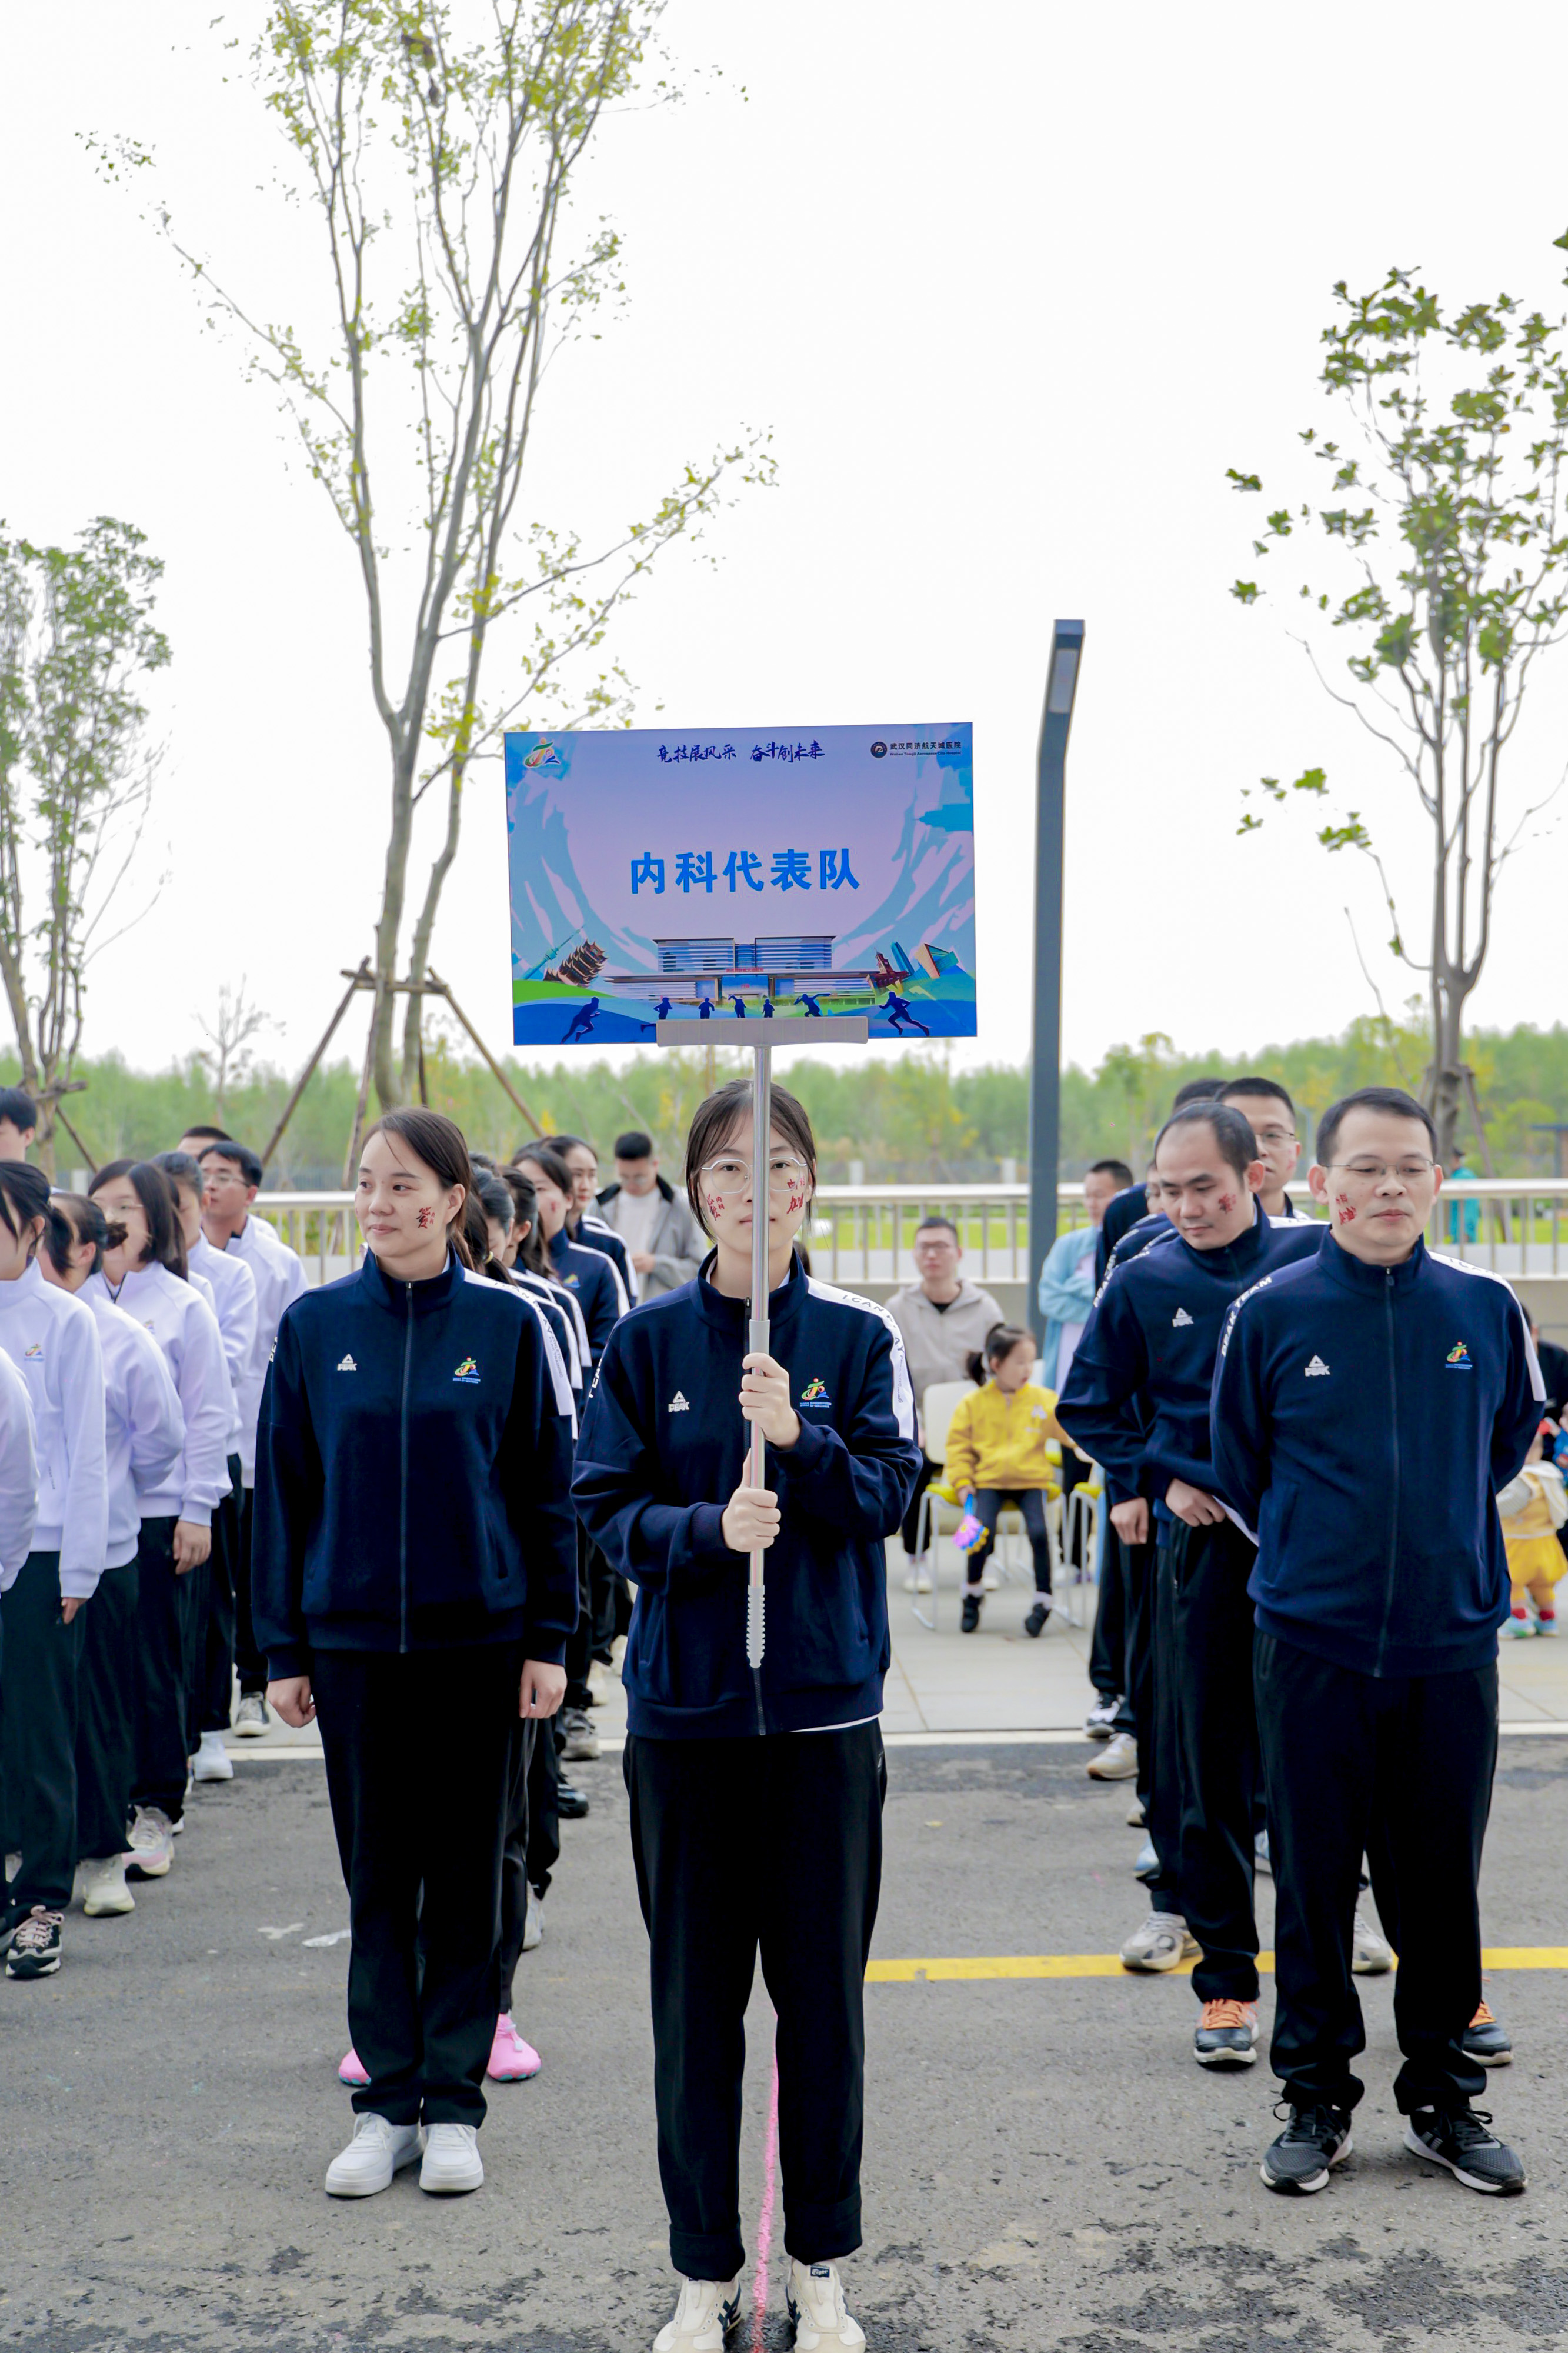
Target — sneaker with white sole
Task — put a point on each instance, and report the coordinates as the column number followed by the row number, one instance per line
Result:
column 1117, row 1761
column 1459, row 2140
column 250, row 1717
column 1300, row 2158
column 533, row 1922
column 582, row 1741
column 377, row 2152
column 150, row 1846
column 35, row 1950
column 1262, row 1860
column 1101, row 1721
column 813, row 2296
column 916, row 1574
column 1487, row 2040
column 705, row 2314
column 1163, row 1941
column 1372, row 1955
column 211, row 1761
column 990, row 1579
column 100, row 1882
column 1136, row 1818
column 1226, row 2034
column 452, row 2160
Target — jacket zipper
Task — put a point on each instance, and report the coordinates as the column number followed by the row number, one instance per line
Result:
column 403, row 1480
column 1394, row 1516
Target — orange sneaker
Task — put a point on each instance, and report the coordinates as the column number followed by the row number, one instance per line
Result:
column 1487, row 2040
column 1226, row 2034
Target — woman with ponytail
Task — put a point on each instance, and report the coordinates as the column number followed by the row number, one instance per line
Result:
column 144, row 1434
column 415, row 1565
column 52, row 1341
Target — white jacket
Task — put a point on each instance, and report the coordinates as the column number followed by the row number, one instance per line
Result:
column 279, row 1280
column 52, row 1340
column 143, row 1426
column 185, row 1329
column 557, row 1296
column 18, row 1475
column 233, row 1287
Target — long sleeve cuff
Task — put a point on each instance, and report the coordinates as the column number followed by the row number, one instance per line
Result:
column 293, row 1659
column 545, row 1648
column 200, row 1516
column 808, row 1450
column 78, row 1583
column 708, row 1534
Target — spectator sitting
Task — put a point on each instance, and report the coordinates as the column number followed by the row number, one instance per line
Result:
column 651, row 1218
column 944, row 1321
column 1067, row 1279
column 1533, row 1508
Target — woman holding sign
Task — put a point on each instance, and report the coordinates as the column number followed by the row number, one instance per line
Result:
column 756, row 1793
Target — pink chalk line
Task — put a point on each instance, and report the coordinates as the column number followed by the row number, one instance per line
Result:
column 765, row 2218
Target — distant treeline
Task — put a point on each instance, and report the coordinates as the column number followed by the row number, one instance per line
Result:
column 903, row 1115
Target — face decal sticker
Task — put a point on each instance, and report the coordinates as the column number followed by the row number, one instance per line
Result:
column 426, row 1218
column 1346, row 1208
column 1227, row 1202
column 715, row 1205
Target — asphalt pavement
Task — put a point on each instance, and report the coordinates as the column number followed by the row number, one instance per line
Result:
column 1044, row 2166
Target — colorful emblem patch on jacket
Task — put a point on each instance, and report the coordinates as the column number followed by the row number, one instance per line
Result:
column 467, row 1372
column 1459, row 1358
column 36, row 1347
column 816, row 1393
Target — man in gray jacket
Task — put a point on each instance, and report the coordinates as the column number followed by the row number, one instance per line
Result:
column 651, row 1217
column 943, row 1320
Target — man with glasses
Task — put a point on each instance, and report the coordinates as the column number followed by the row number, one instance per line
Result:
column 1270, row 1112
column 944, row 1321
column 232, row 1175
column 1368, row 1403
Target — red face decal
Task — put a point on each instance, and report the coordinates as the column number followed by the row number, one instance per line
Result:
column 426, row 1217
column 1346, row 1210
column 1227, row 1202
column 796, row 1200
column 715, row 1205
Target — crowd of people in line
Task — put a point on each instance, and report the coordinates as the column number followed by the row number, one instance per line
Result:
column 512, row 1444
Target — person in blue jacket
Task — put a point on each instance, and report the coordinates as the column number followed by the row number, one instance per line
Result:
column 1368, row 1403
column 756, row 1794
column 415, row 1565
column 1137, row 1402
column 586, row 1273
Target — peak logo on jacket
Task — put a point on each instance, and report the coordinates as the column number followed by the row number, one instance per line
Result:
column 814, row 1393
column 347, row 1364
column 467, row 1372
column 1458, row 1359
column 1316, row 1369
column 1180, row 1319
column 678, row 1404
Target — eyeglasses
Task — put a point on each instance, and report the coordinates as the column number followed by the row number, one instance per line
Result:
column 1372, row 1172
column 1275, row 1134
column 732, row 1173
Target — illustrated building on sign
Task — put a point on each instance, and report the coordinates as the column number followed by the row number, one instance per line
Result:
column 581, row 965
column 794, row 953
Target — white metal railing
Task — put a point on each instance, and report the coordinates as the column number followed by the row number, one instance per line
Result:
column 865, row 1233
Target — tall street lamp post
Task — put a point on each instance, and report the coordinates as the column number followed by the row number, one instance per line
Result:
column 1044, row 1077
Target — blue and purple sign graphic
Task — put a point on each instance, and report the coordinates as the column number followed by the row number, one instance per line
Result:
column 740, row 874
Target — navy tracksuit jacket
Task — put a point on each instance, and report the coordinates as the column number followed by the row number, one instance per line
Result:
column 1363, row 1417
column 1137, row 1393
column 662, row 1449
column 588, row 1273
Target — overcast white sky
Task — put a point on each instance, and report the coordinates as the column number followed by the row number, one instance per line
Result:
column 1011, row 287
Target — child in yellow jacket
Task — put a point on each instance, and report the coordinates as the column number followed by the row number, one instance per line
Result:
column 1533, row 1507
column 996, row 1455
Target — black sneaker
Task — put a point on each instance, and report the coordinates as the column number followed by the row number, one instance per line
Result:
column 971, row 1612
column 570, row 1803
column 1313, row 2142
column 1487, row 2040
column 1473, row 2155
column 11, row 1918
column 34, row 1945
column 1035, row 1622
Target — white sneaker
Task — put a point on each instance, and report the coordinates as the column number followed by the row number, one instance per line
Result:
column 815, row 2296
column 582, row 1741
column 706, row 2313
column 1370, row 1953
column 1261, row 1858
column 100, row 1883
column 1101, row 1721
column 916, row 1574
column 533, row 1922
column 452, row 2160
column 377, row 2152
column 990, row 1582
column 1163, row 1941
column 250, row 1717
column 213, row 1761
column 1117, row 1761
column 1136, row 1819
column 150, row 1846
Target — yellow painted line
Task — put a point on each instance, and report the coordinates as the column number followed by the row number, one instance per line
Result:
column 963, row 1968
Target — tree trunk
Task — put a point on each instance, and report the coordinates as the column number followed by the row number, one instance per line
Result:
column 1448, row 1082
column 388, row 1091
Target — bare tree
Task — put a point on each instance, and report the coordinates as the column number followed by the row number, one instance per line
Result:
column 437, row 144
column 1451, row 519
column 226, row 1057
column 76, row 778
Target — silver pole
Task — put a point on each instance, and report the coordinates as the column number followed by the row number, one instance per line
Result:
column 762, row 1123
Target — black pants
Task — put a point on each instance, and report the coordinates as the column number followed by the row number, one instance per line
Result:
column 1217, row 1751
column 1401, row 1767
column 989, row 1506
column 928, row 1472
column 514, row 1859
column 773, row 1842
column 213, row 1665
column 1160, row 1759
column 580, row 1641
column 38, row 1732
column 106, row 1714
column 543, row 1814
column 420, row 1821
column 165, row 1629
column 1108, row 1645
column 249, row 1664
column 1136, row 1577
